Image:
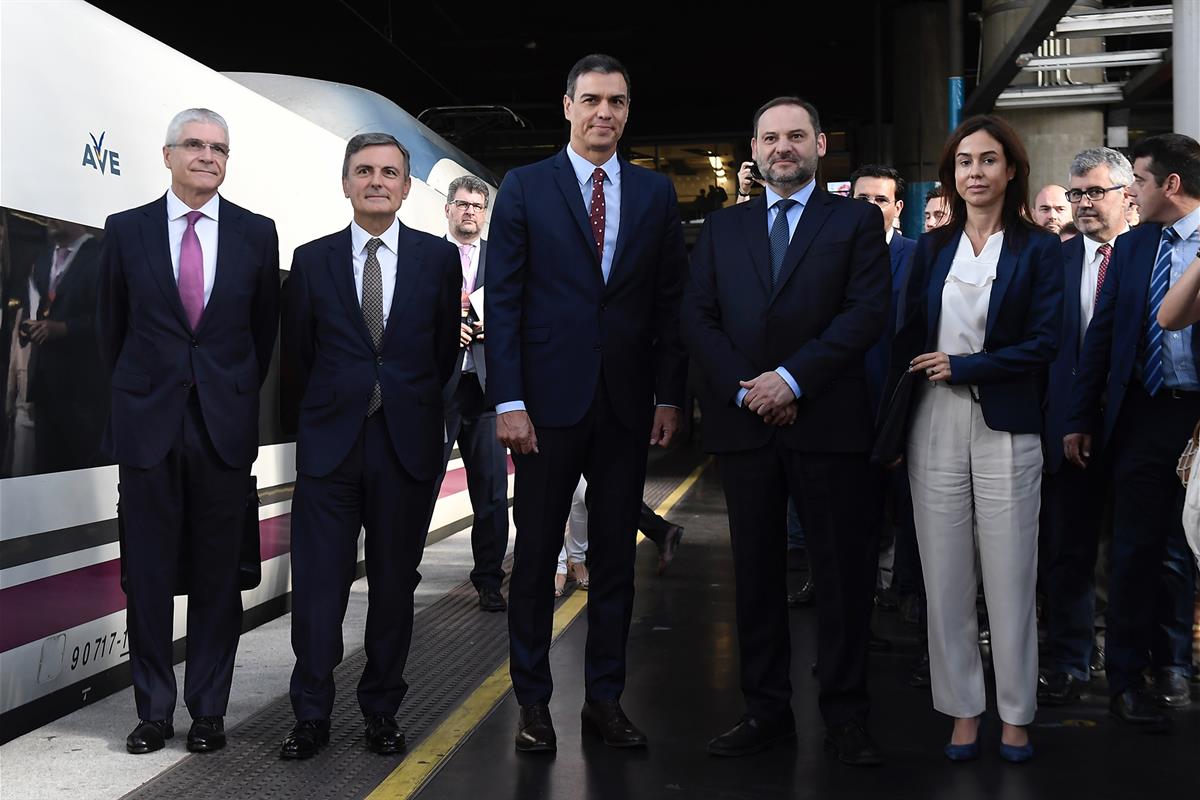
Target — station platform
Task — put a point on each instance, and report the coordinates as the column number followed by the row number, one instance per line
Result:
column 460, row 716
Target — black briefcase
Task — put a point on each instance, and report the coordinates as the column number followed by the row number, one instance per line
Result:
column 249, row 561
column 892, row 433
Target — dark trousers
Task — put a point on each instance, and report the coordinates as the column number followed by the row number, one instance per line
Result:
column 842, row 552
column 613, row 459
column 192, row 500
column 654, row 526
column 368, row 489
column 1074, row 503
column 1152, row 582
column 485, row 461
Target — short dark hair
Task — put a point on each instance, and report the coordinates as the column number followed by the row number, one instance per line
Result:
column 1171, row 153
column 468, row 183
column 362, row 141
column 935, row 192
column 787, row 100
column 879, row 171
column 596, row 62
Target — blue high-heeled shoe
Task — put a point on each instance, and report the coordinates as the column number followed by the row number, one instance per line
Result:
column 963, row 752
column 1016, row 755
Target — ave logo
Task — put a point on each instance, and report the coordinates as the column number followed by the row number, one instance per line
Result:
column 96, row 157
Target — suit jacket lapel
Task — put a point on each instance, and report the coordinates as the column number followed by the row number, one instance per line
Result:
column 1072, row 276
column 158, row 256
column 564, row 176
column 479, row 269
column 409, row 252
column 341, row 271
column 754, row 226
column 1005, row 268
column 230, row 243
column 813, row 216
column 937, row 279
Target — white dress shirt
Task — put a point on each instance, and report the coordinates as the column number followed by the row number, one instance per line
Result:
column 206, row 232
column 966, row 294
column 387, row 261
column 612, row 200
column 1087, row 281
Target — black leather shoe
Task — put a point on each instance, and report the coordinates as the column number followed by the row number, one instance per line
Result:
column 1171, row 690
column 607, row 719
column 149, row 735
column 919, row 677
column 803, row 597
column 753, row 735
column 1059, row 689
column 305, row 738
column 852, row 745
column 670, row 544
column 491, row 600
column 1132, row 707
column 535, row 731
column 383, row 735
column 206, row 734
column 1098, row 660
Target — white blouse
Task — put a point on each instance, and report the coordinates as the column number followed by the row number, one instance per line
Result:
column 965, row 296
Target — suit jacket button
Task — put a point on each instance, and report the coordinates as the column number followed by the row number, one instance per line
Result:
column 195, row 343
column 187, row 384
column 379, row 361
column 597, row 348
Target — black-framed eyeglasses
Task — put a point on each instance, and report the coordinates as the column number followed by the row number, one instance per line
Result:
column 1094, row 193
column 463, row 205
column 196, row 146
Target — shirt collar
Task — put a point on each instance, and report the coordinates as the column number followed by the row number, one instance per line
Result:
column 802, row 195
column 176, row 208
column 1090, row 245
column 359, row 237
column 1186, row 226
column 584, row 168
column 74, row 246
column 457, row 243
column 888, row 234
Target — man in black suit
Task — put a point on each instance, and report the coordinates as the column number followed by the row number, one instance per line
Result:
column 585, row 268
column 787, row 293
column 372, row 322
column 188, row 309
column 67, row 384
column 1073, row 499
column 1137, row 393
column 469, row 420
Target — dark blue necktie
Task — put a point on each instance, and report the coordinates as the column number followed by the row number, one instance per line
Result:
column 780, row 237
column 1160, row 280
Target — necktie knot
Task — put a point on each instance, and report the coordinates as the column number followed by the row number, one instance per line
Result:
column 784, row 204
column 193, row 217
column 464, row 251
column 1169, row 236
column 373, row 246
column 60, row 255
column 598, row 175
column 1105, row 250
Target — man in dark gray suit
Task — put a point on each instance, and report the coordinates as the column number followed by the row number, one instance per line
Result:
column 469, row 420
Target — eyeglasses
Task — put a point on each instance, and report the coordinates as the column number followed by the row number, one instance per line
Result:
column 195, row 147
column 463, row 205
column 1093, row 193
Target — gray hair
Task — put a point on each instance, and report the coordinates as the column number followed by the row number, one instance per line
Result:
column 362, row 141
column 175, row 129
column 468, row 183
column 1119, row 168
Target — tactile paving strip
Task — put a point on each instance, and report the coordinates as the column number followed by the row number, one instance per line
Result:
column 454, row 648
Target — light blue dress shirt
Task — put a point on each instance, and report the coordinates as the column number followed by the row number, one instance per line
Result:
column 793, row 218
column 612, row 221
column 1179, row 367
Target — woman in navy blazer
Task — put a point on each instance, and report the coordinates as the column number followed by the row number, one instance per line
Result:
column 983, row 314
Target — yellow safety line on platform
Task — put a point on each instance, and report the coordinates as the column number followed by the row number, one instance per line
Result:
column 424, row 760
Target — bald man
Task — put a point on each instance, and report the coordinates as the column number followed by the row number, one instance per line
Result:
column 1051, row 209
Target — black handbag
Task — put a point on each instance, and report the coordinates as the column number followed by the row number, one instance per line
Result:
column 249, row 560
column 892, row 434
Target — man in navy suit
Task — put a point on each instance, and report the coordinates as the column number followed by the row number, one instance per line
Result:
column 68, row 387
column 469, row 420
column 372, row 320
column 1072, row 498
column 586, row 262
column 787, row 293
column 188, row 309
column 1151, row 379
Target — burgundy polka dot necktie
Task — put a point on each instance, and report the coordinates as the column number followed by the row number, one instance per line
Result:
column 1105, row 251
column 597, row 216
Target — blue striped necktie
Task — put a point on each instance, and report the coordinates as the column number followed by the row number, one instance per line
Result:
column 1160, row 280
column 780, row 237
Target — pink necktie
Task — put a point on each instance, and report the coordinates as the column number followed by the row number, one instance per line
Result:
column 191, row 271
column 464, row 255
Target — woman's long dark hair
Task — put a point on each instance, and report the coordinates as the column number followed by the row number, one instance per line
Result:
column 1015, row 213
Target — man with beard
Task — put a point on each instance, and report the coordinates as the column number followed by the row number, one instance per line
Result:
column 787, row 292
column 1072, row 498
column 1051, row 209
